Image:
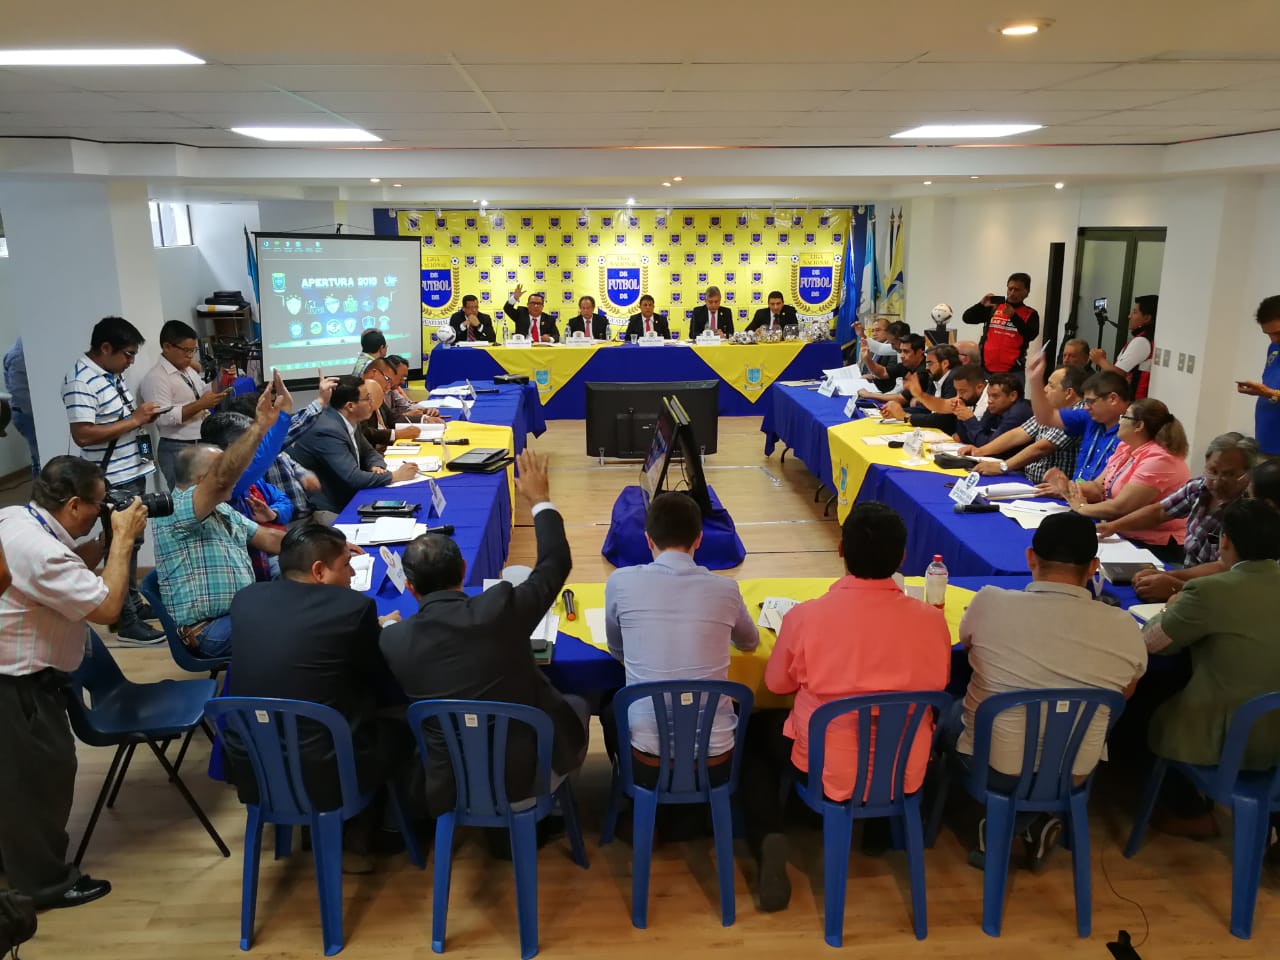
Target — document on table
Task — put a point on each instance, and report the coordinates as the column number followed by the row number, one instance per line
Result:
column 1143, row 612
column 382, row 530
column 549, row 625
column 848, row 381
column 1028, row 513
column 1012, row 490
column 431, row 431
column 1123, row 551
column 884, row 438
column 362, row 569
column 773, row 610
column 595, row 623
column 451, row 403
column 460, row 391
column 799, row 383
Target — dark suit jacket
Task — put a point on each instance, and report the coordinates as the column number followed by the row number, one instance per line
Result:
column 380, row 429
column 485, row 332
column 599, row 326
column 724, row 320
column 325, row 449
column 477, row 648
column 520, row 317
column 635, row 326
column 761, row 319
column 319, row 643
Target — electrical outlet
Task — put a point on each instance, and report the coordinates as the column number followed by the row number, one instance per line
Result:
column 1168, row 357
column 1182, row 362
column 1191, row 363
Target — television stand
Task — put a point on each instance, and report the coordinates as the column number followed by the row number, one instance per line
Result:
column 625, row 545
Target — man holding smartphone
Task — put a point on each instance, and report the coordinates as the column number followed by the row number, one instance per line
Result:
column 1008, row 326
column 182, row 395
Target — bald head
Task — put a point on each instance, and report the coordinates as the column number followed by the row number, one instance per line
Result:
column 192, row 463
column 968, row 350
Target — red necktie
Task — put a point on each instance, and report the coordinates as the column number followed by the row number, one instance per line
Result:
column 471, row 332
column 648, row 327
column 533, row 329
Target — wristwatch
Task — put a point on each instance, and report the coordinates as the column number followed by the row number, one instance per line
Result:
column 1004, row 466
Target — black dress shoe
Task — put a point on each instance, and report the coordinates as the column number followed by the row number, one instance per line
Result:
column 141, row 634
column 84, row 890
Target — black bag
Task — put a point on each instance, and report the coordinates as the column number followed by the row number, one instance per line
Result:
column 17, row 921
column 949, row 461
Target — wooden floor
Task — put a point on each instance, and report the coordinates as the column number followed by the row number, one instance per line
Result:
column 176, row 897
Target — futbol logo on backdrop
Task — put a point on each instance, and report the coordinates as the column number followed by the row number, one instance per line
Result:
column 622, row 278
column 438, row 287
column 813, row 282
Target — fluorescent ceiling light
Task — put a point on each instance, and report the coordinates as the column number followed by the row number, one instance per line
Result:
column 965, row 131
column 139, row 57
column 307, row 134
column 1020, row 29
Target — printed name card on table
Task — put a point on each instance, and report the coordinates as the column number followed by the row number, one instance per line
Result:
column 966, row 491
column 437, row 497
column 395, row 569
column 913, row 447
column 851, row 407
column 827, row 387
column 653, row 340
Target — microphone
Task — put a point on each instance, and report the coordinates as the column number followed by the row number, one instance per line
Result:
column 977, row 508
column 569, row 611
column 446, row 529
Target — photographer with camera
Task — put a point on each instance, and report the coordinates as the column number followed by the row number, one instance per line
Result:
column 109, row 427
column 202, row 550
column 42, row 638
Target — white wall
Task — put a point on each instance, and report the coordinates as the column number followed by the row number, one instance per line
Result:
column 217, row 229
column 13, row 449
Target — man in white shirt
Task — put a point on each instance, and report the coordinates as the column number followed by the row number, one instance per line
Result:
column 1134, row 360
column 674, row 620
column 43, row 616
column 182, row 395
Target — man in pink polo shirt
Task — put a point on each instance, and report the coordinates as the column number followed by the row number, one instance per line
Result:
column 863, row 636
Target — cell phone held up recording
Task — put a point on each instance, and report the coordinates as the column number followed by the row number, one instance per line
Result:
column 996, row 301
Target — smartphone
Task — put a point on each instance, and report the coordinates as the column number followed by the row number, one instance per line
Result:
column 997, row 300
column 390, row 504
column 1100, row 305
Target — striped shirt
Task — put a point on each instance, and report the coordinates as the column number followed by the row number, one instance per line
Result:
column 201, row 564
column 90, row 395
column 1066, row 449
column 42, row 613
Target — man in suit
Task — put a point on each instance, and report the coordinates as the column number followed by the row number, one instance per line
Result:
column 309, row 636
column 530, row 321
column 646, row 321
column 470, row 324
column 477, row 648
column 336, row 451
column 381, row 429
column 587, row 314
column 775, row 316
column 724, row 316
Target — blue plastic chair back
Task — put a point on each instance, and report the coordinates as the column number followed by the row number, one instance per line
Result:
column 99, row 676
column 1232, row 758
column 685, row 712
column 267, row 731
column 475, row 734
column 891, row 722
column 1056, row 723
column 183, row 655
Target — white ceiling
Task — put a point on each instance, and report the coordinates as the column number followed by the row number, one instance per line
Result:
column 757, row 74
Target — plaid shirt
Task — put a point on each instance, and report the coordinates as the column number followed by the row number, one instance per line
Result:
column 201, row 563
column 286, row 475
column 1192, row 500
column 1066, row 449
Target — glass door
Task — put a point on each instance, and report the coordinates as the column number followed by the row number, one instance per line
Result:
column 1113, row 265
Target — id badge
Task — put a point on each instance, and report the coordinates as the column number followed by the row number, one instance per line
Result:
column 143, row 440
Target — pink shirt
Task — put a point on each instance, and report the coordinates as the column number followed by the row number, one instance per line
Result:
column 860, row 637
column 1151, row 465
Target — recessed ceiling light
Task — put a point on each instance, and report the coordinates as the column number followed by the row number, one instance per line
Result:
column 484, row 203
column 928, row 183
column 975, row 177
column 307, row 134
column 123, row 57
column 677, row 179
column 397, row 184
column 666, row 183
column 1059, row 185
column 631, row 201
column 965, row 131
column 375, row 179
column 1024, row 28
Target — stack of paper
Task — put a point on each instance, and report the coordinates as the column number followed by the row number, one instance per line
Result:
column 773, row 610
column 382, row 530
column 362, row 566
column 431, row 431
column 1143, row 612
column 1012, row 490
column 883, row 439
column 464, row 390
column 1122, row 551
column 1028, row 513
column 848, row 381
column 451, row 403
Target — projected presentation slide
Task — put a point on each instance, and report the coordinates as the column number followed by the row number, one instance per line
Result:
column 321, row 292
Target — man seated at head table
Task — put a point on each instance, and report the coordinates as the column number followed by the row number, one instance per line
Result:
column 530, row 321
column 1078, row 642
column 940, row 364
column 1227, row 623
column 674, row 620
column 470, row 324
column 646, row 321
column 1149, row 464
column 202, row 555
column 309, row 636
column 831, row 647
column 1200, row 502
column 775, row 316
column 588, row 322
column 1032, row 447
column 458, row 647
column 710, row 317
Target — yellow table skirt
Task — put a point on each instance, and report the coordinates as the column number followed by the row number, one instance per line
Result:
column 851, row 458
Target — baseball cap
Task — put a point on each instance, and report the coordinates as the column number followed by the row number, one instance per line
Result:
column 1066, row 538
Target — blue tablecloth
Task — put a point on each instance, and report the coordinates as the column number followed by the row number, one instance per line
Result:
column 625, row 544
column 800, row 418
column 515, row 405
column 627, row 363
column 478, row 506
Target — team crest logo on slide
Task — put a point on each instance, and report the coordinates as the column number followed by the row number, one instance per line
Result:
column 471, row 223
column 647, row 239
column 784, row 238
column 813, row 281
column 543, row 379
column 554, row 223
column 293, row 304
column 606, row 221
column 622, row 278
column 350, row 324
column 717, row 257
column 526, row 222
column 438, row 287
column 428, row 241
column 512, row 240
column 539, row 275
column 566, row 239
column 278, row 283
column 744, row 258
column 756, row 239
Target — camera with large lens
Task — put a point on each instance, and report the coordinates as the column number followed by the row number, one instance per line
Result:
column 156, row 504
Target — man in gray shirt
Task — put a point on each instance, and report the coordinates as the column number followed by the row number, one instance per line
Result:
column 674, row 620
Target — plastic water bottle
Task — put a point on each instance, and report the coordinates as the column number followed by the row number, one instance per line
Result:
column 935, row 583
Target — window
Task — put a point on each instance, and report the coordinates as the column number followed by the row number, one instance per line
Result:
column 170, row 224
column 4, row 244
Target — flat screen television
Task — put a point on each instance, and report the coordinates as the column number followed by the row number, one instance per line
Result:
column 621, row 416
column 674, row 461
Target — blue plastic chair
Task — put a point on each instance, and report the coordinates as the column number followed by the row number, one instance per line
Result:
column 1055, row 722
column 267, row 731
column 475, row 734
column 1252, row 795
column 125, row 714
column 684, row 711
column 893, row 721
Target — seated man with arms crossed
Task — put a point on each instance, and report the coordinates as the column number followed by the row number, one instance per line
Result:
column 1201, row 502
column 202, row 556
column 828, row 648
column 674, row 620
column 1077, row 642
column 946, row 415
column 1032, row 447
column 1006, row 410
column 477, row 648
column 470, row 324
column 941, row 363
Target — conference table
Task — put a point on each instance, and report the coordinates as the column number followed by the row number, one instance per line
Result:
column 514, row 405
column 749, row 373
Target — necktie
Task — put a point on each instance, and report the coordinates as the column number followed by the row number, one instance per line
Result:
column 773, row 320
column 648, row 326
column 533, row 329
column 471, row 332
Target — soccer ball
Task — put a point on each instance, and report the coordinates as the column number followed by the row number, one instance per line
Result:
column 941, row 313
column 446, row 334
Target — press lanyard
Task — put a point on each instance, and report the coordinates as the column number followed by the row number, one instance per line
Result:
column 1088, row 457
column 124, row 398
column 190, row 386
column 41, row 520
column 1111, row 484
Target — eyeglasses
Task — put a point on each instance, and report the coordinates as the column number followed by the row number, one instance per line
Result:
column 1125, row 416
column 1090, row 401
column 1224, row 477
column 131, row 354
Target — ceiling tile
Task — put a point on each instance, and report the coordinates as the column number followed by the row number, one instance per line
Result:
column 64, row 102
column 572, row 77
column 159, row 79
column 737, row 101
column 573, row 121
column 1228, row 100
column 723, row 118
column 1177, row 76
column 1096, row 100
column 358, row 78
column 1236, row 119
column 113, row 121
column 935, row 102
column 557, row 102
column 195, row 102
column 776, row 76
column 980, row 76
column 402, row 102
column 377, row 122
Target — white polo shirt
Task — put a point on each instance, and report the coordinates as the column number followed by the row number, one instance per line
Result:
column 170, row 387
